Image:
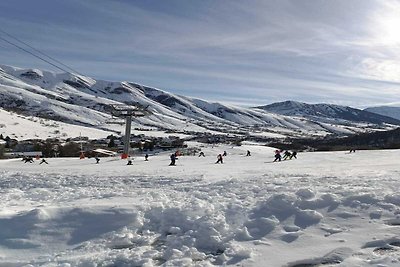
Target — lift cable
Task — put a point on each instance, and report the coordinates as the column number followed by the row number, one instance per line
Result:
column 38, row 51
column 29, row 52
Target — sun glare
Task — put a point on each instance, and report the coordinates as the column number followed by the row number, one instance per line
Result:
column 389, row 33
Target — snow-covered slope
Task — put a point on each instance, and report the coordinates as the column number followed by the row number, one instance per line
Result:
column 85, row 101
column 389, row 111
column 23, row 127
column 328, row 111
column 322, row 209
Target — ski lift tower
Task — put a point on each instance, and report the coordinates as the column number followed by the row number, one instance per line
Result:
column 127, row 112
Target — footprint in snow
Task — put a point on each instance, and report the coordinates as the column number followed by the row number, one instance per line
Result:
column 393, row 222
column 388, row 246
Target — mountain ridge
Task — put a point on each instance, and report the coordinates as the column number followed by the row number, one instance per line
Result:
column 81, row 100
column 332, row 111
column 389, row 111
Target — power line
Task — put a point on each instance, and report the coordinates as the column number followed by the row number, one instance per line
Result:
column 38, row 51
column 29, row 52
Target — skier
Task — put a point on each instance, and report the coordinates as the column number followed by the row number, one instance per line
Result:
column 173, row 159
column 352, row 150
column 201, row 154
column 287, row 155
column 28, row 159
column 277, row 155
column 224, row 155
column 294, row 153
column 43, row 161
column 146, row 157
column 129, row 162
column 219, row 159
column 248, row 153
column 97, row 159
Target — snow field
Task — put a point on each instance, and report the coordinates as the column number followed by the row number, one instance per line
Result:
column 332, row 208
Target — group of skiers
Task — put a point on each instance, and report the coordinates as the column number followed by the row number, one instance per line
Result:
column 146, row 158
column 286, row 155
column 174, row 157
column 28, row 159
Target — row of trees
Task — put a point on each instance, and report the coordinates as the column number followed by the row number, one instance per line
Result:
column 7, row 139
column 49, row 149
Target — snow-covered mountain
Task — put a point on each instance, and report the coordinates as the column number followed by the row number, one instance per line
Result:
column 389, row 111
column 328, row 111
column 80, row 100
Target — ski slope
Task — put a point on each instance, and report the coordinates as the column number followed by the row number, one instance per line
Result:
column 30, row 127
column 323, row 209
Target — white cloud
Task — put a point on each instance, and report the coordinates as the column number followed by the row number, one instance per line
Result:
column 277, row 50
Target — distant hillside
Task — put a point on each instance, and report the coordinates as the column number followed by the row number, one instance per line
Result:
column 328, row 111
column 393, row 112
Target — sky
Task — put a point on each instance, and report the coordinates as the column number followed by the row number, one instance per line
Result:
column 243, row 52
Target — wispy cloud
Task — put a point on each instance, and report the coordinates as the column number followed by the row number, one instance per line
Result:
column 330, row 51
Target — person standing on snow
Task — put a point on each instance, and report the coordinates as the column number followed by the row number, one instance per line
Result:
column 146, row 157
column 219, row 159
column 97, row 159
column 277, row 155
column 201, row 154
column 287, row 155
column 224, row 155
column 28, row 159
column 248, row 153
column 294, row 153
column 173, row 159
column 43, row 161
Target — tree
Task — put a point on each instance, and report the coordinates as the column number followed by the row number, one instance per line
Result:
column 8, row 143
column 112, row 142
column 47, row 149
column 1, row 151
column 70, row 149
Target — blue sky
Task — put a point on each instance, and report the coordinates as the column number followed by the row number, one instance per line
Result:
column 242, row 52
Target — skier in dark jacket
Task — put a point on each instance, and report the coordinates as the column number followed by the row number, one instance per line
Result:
column 248, row 153
column 146, row 157
column 201, row 154
column 97, row 159
column 287, row 155
column 28, row 159
column 224, row 154
column 173, row 159
column 277, row 155
column 43, row 161
column 219, row 159
column 294, row 155
column 129, row 162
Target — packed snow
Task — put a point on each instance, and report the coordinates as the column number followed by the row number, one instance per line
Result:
column 324, row 208
column 30, row 127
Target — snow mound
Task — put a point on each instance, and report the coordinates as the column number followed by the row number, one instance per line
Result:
column 77, row 213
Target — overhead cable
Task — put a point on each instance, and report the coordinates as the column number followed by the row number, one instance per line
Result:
column 38, row 51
